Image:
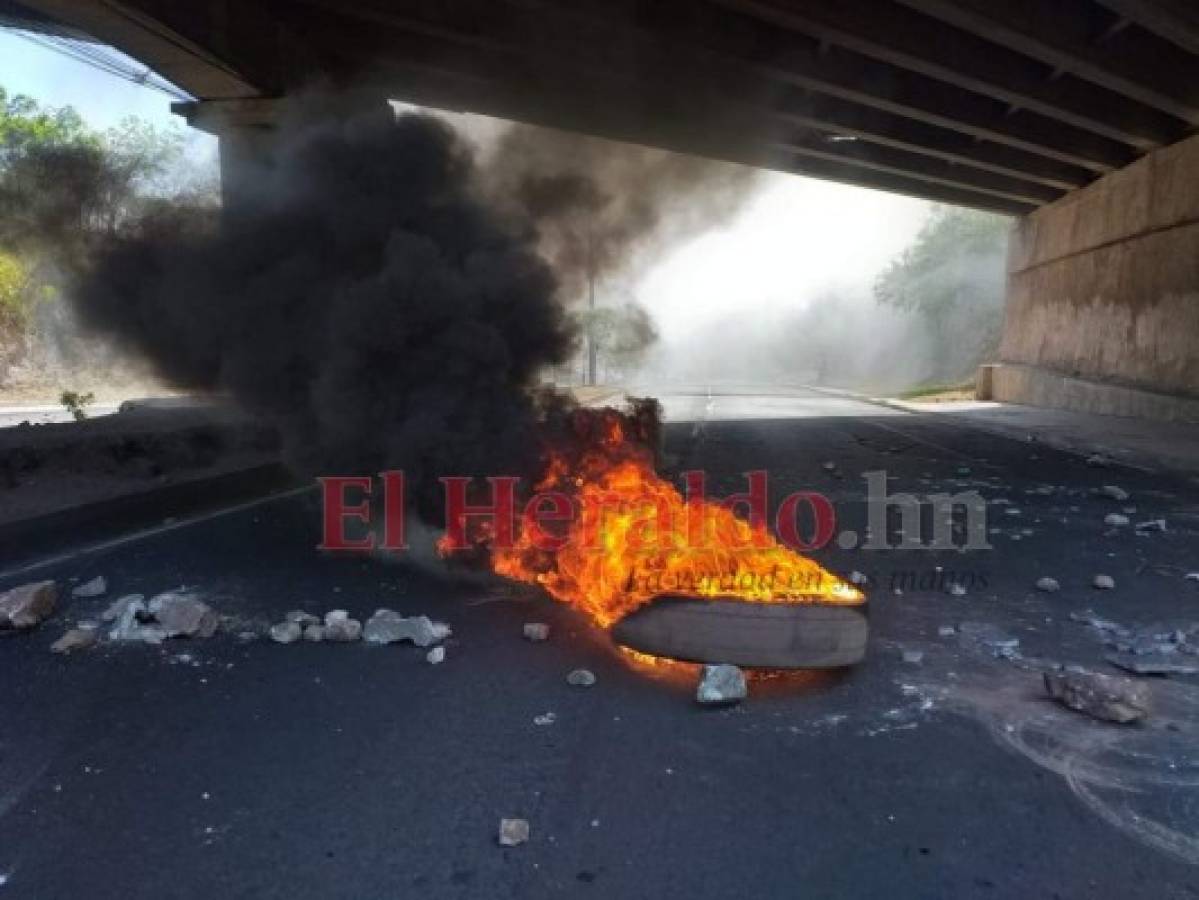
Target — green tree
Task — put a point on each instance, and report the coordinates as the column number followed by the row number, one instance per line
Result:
column 952, row 277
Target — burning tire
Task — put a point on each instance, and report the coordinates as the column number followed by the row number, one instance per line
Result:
column 766, row 635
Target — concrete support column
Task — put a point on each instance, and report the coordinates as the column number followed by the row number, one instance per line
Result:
column 246, row 130
column 1103, row 295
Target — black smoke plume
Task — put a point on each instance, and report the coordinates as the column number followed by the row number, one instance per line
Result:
column 362, row 298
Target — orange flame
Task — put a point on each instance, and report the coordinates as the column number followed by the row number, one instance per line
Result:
column 637, row 538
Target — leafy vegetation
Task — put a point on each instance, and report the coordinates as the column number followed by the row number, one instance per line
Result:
column 76, row 403
column 65, row 187
column 952, row 278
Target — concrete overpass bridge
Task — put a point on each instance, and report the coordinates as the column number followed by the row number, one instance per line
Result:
column 1075, row 116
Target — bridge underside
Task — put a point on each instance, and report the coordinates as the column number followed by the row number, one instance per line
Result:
column 1003, row 106
column 1075, row 115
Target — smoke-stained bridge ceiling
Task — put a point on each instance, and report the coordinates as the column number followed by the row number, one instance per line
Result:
column 996, row 104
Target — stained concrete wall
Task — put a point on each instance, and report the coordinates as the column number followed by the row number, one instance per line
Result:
column 1103, row 285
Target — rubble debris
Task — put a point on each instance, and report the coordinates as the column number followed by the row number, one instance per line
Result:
column 1151, row 525
column 117, row 609
column 829, row 466
column 994, row 639
column 285, row 632
column 1099, row 624
column 1048, row 585
column 946, row 631
column 513, row 832
column 1115, row 492
column 341, row 628
column 956, row 589
column 135, row 623
column 581, row 678
column 1101, row 696
column 720, row 685
column 1152, row 664
column 97, row 587
column 387, row 626
column 545, row 719
column 913, row 657
column 536, row 631
column 75, row 639
column 183, row 614
column 1191, row 576
column 27, row 605
column 1103, row 582
column 301, row 618
column 314, row 632
column 1116, row 520
column 435, row 656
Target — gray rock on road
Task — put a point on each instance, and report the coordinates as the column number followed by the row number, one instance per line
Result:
column 75, row 639
column 581, row 678
column 720, row 685
column 341, row 628
column 513, row 832
column 1116, row 520
column 1099, row 696
column 1048, row 585
column 387, row 626
column 97, row 587
column 1103, row 582
column 286, row 632
column 536, row 631
column 27, row 605
column 1114, row 492
column 183, row 614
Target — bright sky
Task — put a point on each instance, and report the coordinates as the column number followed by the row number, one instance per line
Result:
column 795, row 239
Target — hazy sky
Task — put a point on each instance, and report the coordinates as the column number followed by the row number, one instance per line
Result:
column 795, row 238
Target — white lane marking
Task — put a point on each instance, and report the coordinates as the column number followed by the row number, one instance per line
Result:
column 145, row 533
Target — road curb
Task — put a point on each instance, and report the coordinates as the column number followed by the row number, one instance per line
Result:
column 26, row 539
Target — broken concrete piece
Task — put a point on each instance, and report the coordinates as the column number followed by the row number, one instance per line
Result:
column 1101, row 696
column 720, row 685
column 581, row 678
column 97, row 587
column 387, row 626
column 1116, row 493
column 183, row 614
column 436, row 655
column 947, row 631
column 301, row 618
column 1103, row 582
column 117, row 609
column 27, row 605
column 1048, row 585
column 314, row 632
column 513, row 832
column 957, row 590
column 341, row 628
column 1000, row 644
column 285, row 632
column 913, row 657
column 75, row 639
column 1152, row 664
column 1116, row 520
column 127, row 625
column 536, row 631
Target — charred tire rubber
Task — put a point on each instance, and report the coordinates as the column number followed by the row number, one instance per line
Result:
column 760, row 635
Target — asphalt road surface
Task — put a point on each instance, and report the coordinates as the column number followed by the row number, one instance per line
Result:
column 229, row 768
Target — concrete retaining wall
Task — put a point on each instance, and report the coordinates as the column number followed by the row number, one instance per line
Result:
column 1103, row 286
